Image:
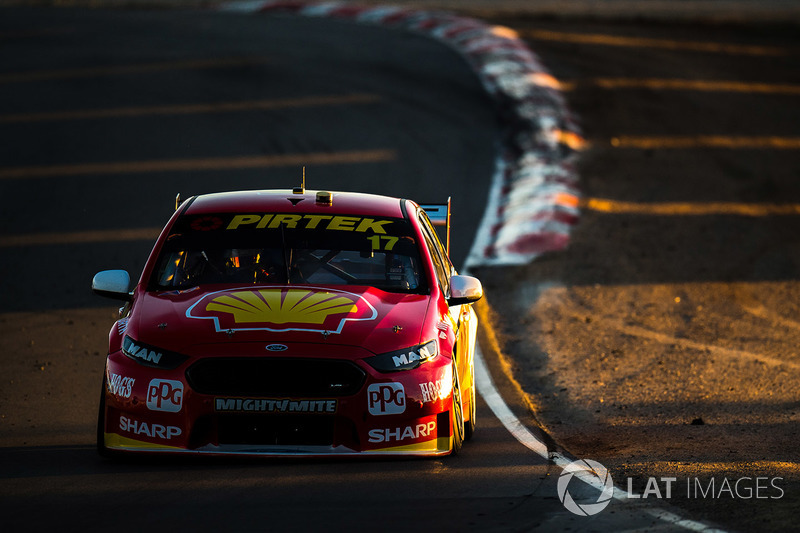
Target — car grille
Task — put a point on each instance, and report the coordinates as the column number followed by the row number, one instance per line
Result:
column 276, row 430
column 273, row 430
column 275, row 377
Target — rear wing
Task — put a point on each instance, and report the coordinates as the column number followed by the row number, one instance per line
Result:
column 440, row 216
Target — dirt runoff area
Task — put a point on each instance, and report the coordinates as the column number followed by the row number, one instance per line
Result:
column 663, row 342
column 629, row 363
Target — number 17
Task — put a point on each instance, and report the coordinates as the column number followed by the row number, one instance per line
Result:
column 388, row 245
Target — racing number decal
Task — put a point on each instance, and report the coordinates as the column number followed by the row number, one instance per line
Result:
column 388, row 242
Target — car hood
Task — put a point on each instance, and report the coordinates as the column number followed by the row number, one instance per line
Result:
column 185, row 321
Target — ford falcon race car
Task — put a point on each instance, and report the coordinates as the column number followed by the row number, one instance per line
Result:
column 292, row 322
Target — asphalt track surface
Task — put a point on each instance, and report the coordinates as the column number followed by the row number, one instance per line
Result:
column 104, row 116
column 361, row 114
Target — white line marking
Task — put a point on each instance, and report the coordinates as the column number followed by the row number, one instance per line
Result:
column 503, row 413
column 519, row 431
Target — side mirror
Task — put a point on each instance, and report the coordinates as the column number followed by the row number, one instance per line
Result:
column 464, row 290
column 112, row 284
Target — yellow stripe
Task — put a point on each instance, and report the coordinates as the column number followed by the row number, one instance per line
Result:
column 438, row 444
column 640, row 42
column 707, row 141
column 571, row 139
column 695, row 467
column 218, row 107
column 92, row 72
column 217, row 163
column 567, row 200
column 112, row 440
column 80, row 237
column 542, row 79
column 684, row 85
column 689, row 208
column 504, row 32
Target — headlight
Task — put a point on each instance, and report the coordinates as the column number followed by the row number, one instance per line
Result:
column 406, row 359
column 148, row 355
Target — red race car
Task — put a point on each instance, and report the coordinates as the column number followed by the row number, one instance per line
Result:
column 292, row 322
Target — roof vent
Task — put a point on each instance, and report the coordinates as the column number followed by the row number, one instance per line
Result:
column 325, row 198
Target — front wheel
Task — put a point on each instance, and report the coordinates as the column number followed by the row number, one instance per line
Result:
column 101, row 423
column 469, row 425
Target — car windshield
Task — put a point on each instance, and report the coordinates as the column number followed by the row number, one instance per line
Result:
column 283, row 248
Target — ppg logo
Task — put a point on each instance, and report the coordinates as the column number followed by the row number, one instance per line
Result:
column 165, row 395
column 386, row 398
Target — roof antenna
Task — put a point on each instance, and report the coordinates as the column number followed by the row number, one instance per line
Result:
column 302, row 188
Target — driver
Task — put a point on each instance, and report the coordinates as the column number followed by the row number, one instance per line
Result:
column 249, row 265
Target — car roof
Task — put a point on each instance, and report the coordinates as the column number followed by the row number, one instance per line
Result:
column 288, row 201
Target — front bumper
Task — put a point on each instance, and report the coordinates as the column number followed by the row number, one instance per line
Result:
column 277, row 407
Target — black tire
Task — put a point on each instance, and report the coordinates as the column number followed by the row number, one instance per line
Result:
column 458, row 414
column 101, row 423
column 469, row 426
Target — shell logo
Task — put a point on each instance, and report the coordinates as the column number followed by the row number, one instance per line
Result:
column 282, row 309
